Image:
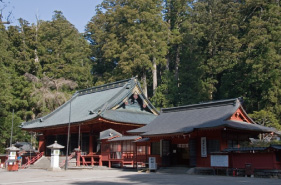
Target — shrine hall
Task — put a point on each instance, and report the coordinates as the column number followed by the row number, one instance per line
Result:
column 118, row 106
column 115, row 124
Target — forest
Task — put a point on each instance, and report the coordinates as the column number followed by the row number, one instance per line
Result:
column 182, row 52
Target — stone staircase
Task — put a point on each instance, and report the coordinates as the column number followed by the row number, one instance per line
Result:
column 71, row 163
column 45, row 162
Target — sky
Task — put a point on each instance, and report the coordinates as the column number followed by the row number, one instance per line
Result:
column 77, row 12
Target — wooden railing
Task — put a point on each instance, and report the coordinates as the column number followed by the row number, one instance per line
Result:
column 32, row 161
column 91, row 159
column 121, row 158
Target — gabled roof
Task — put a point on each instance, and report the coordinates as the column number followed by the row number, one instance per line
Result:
column 24, row 146
column 105, row 101
column 186, row 119
column 109, row 133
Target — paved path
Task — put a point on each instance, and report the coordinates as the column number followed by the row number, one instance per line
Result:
column 115, row 176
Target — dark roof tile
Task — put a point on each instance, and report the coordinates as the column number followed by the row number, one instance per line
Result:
column 185, row 119
column 93, row 102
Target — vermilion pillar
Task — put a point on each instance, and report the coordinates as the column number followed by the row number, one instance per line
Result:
column 78, row 156
column 91, row 144
column 42, row 144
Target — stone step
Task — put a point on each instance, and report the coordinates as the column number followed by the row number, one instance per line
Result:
column 42, row 163
column 45, row 162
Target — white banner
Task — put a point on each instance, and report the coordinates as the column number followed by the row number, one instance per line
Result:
column 219, row 160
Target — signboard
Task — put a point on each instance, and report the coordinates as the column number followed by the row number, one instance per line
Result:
column 203, row 147
column 152, row 163
column 219, row 160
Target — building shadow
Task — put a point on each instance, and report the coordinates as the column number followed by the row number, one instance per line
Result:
column 138, row 178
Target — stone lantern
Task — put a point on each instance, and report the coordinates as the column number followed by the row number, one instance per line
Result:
column 55, row 156
column 12, row 163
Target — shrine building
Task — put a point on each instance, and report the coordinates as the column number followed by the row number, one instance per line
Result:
column 116, row 124
column 189, row 135
column 115, row 107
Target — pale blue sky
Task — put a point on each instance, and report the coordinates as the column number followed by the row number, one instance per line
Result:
column 78, row 12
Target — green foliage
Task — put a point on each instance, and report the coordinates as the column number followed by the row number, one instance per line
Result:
column 11, row 94
column 63, row 52
column 165, row 95
column 266, row 118
column 260, row 143
column 40, row 67
column 256, row 76
column 5, row 134
column 211, row 44
column 126, row 36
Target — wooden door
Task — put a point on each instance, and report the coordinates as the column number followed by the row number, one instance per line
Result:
column 192, row 152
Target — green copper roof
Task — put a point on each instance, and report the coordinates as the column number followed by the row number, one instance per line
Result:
column 106, row 101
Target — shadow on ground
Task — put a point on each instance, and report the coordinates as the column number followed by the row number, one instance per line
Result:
column 173, row 179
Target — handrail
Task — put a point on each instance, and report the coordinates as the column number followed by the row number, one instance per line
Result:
column 32, row 161
column 68, row 159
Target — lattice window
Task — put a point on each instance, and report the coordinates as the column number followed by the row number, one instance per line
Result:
column 213, row 146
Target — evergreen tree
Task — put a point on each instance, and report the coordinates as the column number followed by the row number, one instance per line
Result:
column 257, row 75
column 211, row 47
column 9, row 99
column 128, row 38
column 265, row 118
column 24, row 45
column 176, row 14
column 63, row 52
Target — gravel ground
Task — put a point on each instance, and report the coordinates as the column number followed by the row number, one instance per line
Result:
column 117, row 176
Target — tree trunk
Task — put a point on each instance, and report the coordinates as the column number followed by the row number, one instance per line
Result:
column 177, row 63
column 36, row 59
column 168, row 62
column 154, row 75
column 144, row 83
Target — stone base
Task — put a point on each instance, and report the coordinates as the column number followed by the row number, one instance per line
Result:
column 54, row 169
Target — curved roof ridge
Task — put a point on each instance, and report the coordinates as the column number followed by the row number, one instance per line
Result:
column 107, row 86
column 233, row 101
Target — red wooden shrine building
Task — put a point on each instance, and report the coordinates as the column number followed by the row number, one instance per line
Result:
column 191, row 135
column 91, row 113
column 116, row 123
